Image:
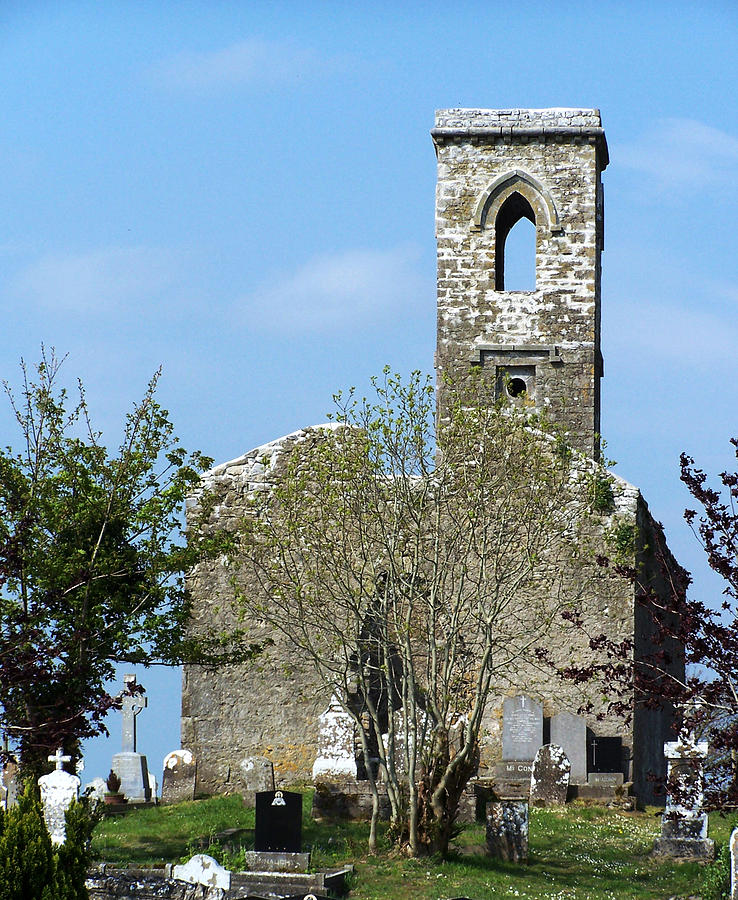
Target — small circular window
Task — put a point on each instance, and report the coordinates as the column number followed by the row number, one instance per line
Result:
column 516, row 387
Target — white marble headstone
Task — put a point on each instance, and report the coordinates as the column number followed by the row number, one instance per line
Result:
column 336, row 757
column 59, row 790
column 734, row 864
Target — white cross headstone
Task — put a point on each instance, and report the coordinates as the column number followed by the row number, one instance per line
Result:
column 59, row 790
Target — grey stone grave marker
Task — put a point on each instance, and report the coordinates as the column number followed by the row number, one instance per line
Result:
column 178, row 778
column 58, row 790
column 522, row 728
column 129, row 765
column 684, row 823
column 95, row 790
column 507, row 830
column 257, row 774
column 549, row 780
column 570, row 733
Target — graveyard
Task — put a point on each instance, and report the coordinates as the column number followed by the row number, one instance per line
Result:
column 533, row 792
column 580, row 852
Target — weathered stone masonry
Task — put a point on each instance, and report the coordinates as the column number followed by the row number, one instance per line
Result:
column 509, row 164
column 494, row 167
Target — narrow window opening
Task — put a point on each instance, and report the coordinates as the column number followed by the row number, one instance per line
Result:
column 515, row 242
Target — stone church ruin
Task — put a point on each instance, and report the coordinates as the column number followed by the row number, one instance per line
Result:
column 495, row 168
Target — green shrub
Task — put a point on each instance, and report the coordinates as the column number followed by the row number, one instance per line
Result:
column 27, row 864
column 73, row 858
column 716, row 877
column 601, row 497
column 30, row 867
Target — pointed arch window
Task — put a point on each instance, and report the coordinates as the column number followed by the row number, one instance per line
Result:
column 515, row 255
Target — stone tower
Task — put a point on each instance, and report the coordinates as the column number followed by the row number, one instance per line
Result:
column 496, row 167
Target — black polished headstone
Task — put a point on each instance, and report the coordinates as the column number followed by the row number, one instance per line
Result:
column 278, row 825
column 605, row 754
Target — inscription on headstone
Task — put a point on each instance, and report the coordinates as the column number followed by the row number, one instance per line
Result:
column 522, row 728
column 278, row 826
column 59, row 790
column 606, row 779
column 549, row 780
column 570, row 733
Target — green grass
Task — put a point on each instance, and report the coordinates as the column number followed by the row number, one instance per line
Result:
column 580, row 852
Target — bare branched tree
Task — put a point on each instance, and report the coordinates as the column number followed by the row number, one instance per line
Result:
column 415, row 574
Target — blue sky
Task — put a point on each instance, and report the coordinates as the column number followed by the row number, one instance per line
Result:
column 243, row 193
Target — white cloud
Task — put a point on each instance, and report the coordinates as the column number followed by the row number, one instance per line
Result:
column 248, row 62
column 346, row 288
column 682, row 154
column 114, row 277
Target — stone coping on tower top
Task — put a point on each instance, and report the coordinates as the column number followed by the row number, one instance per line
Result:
column 556, row 117
column 555, row 123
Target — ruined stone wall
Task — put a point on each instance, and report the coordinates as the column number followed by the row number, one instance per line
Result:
column 658, row 571
column 607, row 605
column 553, row 158
column 270, row 707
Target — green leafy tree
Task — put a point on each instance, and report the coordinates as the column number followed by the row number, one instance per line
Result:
column 92, row 563
column 417, row 575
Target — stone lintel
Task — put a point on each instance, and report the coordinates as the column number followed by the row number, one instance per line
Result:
column 548, row 352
